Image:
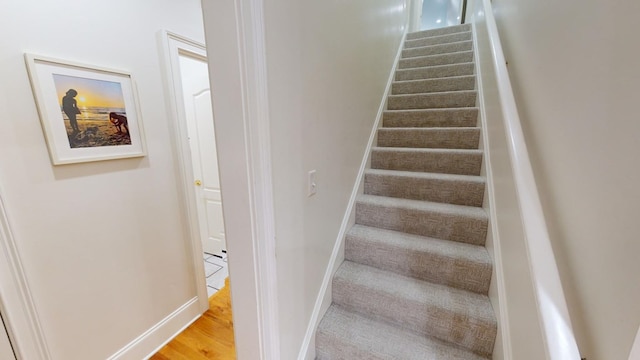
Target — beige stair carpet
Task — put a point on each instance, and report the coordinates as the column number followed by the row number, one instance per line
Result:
column 416, row 275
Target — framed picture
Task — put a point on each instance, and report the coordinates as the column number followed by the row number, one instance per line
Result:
column 87, row 113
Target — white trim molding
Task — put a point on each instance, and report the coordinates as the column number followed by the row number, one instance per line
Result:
column 259, row 160
column 235, row 39
column 161, row 333
column 557, row 333
column 16, row 302
column 498, row 267
column 173, row 46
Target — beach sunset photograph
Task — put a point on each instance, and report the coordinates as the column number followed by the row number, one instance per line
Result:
column 93, row 111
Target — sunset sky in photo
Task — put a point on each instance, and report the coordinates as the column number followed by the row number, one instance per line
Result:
column 91, row 92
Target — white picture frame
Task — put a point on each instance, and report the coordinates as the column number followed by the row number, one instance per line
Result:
column 87, row 113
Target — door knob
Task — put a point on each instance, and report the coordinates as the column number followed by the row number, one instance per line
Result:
column 198, row 183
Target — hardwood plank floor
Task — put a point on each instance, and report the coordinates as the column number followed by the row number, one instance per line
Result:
column 210, row 337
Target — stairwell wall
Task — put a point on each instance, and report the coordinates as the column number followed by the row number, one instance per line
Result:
column 573, row 67
column 328, row 65
column 102, row 244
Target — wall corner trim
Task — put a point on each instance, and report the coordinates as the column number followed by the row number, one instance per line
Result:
column 16, row 302
column 553, row 313
column 255, row 93
column 324, row 296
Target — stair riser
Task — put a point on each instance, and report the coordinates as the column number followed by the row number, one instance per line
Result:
column 437, row 162
column 331, row 348
column 431, row 101
column 436, row 40
column 436, row 60
column 435, row 268
column 438, row 32
column 437, row 49
column 436, row 190
column 431, row 118
column 348, row 336
column 462, row 69
column 454, row 227
column 429, row 138
column 434, row 85
column 469, row 332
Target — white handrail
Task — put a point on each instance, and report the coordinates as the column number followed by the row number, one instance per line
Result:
column 552, row 306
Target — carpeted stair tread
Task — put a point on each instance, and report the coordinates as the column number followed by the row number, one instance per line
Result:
column 452, row 315
column 460, row 223
column 443, row 138
column 452, row 117
column 415, row 275
column 451, row 83
column 439, row 31
column 435, row 71
column 437, row 49
column 434, row 60
column 448, row 161
column 448, row 99
column 446, row 188
column 459, row 265
column 344, row 335
column 438, row 39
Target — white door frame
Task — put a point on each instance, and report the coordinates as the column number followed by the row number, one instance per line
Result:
column 238, row 90
column 234, row 32
column 16, row 302
column 174, row 45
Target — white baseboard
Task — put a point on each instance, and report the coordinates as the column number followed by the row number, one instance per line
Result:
column 145, row 345
column 307, row 350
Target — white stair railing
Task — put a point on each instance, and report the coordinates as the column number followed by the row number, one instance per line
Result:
column 552, row 306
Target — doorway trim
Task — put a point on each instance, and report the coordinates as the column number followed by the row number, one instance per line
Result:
column 243, row 143
column 235, row 37
column 175, row 45
column 16, row 303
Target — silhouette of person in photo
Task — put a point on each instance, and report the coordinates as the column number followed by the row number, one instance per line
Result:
column 70, row 107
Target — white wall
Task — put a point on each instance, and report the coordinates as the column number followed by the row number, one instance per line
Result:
column 102, row 243
column 328, row 64
column 573, row 66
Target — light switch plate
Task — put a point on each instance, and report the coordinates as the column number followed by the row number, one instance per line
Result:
column 312, row 186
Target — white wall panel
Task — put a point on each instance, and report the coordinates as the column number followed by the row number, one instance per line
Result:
column 328, row 64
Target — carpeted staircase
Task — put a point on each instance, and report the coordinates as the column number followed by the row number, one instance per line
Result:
column 416, row 274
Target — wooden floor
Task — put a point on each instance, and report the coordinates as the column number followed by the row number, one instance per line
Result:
column 210, row 337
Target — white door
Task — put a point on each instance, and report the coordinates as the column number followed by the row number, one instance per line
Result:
column 199, row 117
column 5, row 346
